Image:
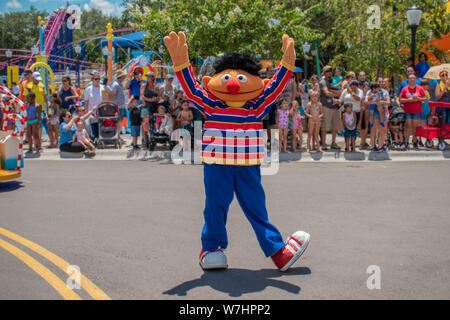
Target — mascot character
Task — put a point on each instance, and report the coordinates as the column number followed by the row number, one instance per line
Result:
column 233, row 102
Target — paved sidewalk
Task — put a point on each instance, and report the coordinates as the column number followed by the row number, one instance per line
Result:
column 163, row 153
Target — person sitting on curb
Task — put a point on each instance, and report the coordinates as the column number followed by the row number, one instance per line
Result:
column 67, row 130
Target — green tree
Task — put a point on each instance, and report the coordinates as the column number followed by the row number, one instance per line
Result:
column 20, row 30
column 214, row 26
column 359, row 42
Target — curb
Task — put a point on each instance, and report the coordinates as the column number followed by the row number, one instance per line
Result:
column 194, row 158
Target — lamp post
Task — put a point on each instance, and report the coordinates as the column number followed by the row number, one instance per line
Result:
column 78, row 51
column 306, row 48
column 413, row 15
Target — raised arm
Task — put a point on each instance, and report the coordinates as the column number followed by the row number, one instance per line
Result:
column 178, row 50
column 279, row 81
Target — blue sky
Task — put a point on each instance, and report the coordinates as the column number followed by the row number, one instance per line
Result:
column 110, row 7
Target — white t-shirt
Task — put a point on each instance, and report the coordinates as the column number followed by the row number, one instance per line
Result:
column 348, row 98
column 94, row 96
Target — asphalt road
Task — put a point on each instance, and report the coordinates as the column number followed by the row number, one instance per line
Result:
column 133, row 228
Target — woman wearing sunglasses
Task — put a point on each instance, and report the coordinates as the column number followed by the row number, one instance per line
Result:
column 93, row 97
column 67, row 129
column 67, row 93
column 442, row 92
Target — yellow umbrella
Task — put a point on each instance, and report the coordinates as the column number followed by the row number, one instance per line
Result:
column 433, row 72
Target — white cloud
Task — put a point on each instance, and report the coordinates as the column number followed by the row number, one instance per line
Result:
column 13, row 4
column 105, row 6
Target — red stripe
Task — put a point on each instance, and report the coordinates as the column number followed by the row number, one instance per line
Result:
column 233, row 111
column 295, row 240
column 233, row 126
column 293, row 247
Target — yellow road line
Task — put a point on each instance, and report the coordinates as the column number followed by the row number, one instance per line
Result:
column 94, row 291
column 41, row 270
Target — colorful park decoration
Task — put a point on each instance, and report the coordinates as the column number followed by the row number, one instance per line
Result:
column 11, row 143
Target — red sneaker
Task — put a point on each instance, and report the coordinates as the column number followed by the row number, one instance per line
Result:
column 213, row 259
column 292, row 250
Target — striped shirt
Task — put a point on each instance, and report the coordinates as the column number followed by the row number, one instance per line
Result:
column 233, row 136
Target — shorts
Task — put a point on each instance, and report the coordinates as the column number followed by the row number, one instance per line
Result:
column 135, row 131
column 31, row 121
column 331, row 120
column 54, row 121
column 349, row 134
column 376, row 115
column 412, row 116
column 122, row 114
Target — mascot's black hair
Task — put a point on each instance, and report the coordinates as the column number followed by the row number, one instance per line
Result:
column 239, row 61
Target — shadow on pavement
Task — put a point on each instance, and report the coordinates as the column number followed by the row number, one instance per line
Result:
column 10, row 186
column 236, row 282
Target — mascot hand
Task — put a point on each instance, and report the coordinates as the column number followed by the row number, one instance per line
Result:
column 288, row 50
column 178, row 50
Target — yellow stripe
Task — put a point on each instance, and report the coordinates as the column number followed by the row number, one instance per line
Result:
column 41, row 270
column 94, row 291
column 181, row 67
column 241, row 162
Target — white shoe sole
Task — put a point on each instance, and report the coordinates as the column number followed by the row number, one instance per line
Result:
column 298, row 254
column 210, row 267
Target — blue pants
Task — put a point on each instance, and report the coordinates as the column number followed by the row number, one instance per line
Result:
column 221, row 182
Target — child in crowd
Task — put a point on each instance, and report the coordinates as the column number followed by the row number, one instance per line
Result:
column 136, row 120
column 34, row 117
column 314, row 114
column 377, row 117
column 145, row 116
column 185, row 118
column 283, row 122
column 374, row 97
column 53, row 122
column 349, row 123
column 81, row 136
column 297, row 126
column 165, row 123
column 336, row 80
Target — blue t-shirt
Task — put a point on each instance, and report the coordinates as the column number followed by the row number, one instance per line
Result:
column 135, row 87
column 433, row 84
column 422, row 68
column 65, row 135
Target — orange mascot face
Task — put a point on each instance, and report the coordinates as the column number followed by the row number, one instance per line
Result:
column 236, row 80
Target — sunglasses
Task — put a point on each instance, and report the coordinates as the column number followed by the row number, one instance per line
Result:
column 96, row 78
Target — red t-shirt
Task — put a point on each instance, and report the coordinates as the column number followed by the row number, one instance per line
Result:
column 412, row 107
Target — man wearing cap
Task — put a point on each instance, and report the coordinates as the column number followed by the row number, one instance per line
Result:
column 328, row 98
column 119, row 96
column 37, row 87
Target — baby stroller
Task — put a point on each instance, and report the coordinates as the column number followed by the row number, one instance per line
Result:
column 396, row 114
column 108, row 117
column 163, row 135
